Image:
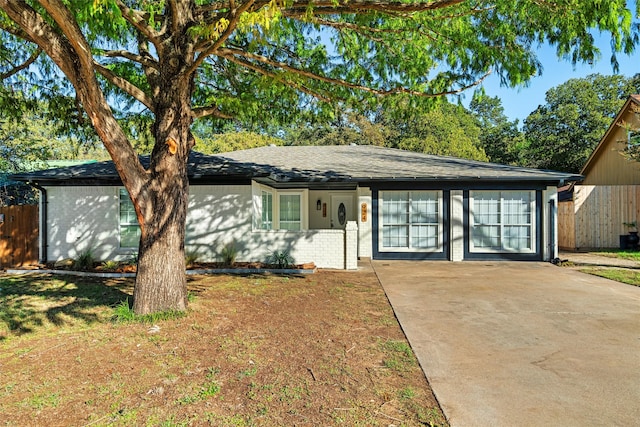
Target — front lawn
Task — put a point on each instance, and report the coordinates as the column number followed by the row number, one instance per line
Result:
column 324, row 349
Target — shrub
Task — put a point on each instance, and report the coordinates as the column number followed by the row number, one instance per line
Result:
column 191, row 258
column 84, row 261
column 229, row 253
column 280, row 259
column 110, row 265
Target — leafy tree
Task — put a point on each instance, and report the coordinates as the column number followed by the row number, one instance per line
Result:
column 563, row 133
column 500, row 138
column 232, row 141
column 346, row 127
column 444, row 130
column 183, row 60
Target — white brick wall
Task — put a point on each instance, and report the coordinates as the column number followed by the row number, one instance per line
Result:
column 81, row 218
column 456, row 232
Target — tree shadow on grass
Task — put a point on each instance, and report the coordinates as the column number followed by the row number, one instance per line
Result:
column 29, row 303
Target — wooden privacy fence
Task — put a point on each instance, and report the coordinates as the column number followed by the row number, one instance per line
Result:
column 596, row 216
column 18, row 235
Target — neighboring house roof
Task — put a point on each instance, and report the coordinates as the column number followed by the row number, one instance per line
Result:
column 314, row 164
column 603, row 146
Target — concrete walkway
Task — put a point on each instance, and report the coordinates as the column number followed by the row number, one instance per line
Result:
column 521, row 344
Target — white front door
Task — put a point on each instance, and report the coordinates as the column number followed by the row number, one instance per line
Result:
column 342, row 211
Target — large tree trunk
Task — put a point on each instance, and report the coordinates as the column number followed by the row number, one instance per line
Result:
column 162, row 203
column 161, row 282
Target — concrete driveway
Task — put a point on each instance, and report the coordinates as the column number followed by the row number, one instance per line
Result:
column 521, row 344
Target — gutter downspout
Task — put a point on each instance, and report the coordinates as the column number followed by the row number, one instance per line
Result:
column 44, row 247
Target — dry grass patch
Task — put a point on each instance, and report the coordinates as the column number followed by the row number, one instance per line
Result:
column 252, row 351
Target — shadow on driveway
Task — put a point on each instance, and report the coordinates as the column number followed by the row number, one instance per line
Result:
column 521, row 344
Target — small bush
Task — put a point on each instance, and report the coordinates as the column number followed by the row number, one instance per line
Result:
column 191, row 258
column 280, row 260
column 110, row 265
column 229, row 253
column 84, row 261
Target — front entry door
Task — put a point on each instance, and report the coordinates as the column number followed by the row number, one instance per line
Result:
column 341, row 211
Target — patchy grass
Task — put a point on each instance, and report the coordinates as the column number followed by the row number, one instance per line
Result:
column 251, row 351
column 630, row 277
column 626, row 254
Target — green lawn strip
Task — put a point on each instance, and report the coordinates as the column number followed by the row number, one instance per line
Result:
column 622, row 275
column 626, row 254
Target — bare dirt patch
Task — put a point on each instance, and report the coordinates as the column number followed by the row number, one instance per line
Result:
column 323, row 349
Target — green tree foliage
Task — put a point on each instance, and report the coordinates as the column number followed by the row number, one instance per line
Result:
column 563, row 133
column 445, row 130
column 233, row 141
column 500, row 138
column 261, row 62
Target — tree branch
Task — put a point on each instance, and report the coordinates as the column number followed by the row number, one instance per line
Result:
column 140, row 59
column 200, row 112
column 76, row 62
column 22, row 66
column 233, row 16
column 265, row 72
column 138, row 20
column 125, row 85
column 231, row 54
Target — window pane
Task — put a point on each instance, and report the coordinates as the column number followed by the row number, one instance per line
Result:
column 424, row 207
column 486, row 236
column 517, row 237
column 517, row 208
column 395, row 236
column 486, row 207
column 424, row 236
column 290, row 212
column 129, row 236
column 395, row 208
column 129, row 228
column 267, row 211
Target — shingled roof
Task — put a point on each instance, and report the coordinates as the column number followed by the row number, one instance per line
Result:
column 314, row 164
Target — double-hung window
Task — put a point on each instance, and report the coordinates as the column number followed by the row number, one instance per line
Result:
column 502, row 221
column 290, row 210
column 129, row 227
column 410, row 220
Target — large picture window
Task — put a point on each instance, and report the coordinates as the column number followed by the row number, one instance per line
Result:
column 502, row 221
column 129, row 227
column 410, row 220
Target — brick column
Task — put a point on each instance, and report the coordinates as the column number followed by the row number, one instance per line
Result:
column 351, row 246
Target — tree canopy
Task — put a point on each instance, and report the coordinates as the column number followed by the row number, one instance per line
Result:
column 262, row 61
column 562, row 133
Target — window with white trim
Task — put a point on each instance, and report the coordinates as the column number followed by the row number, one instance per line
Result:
column 410, row 220
column 502, row 221
column 290, row 210
column 128, row 221
column 279, row 209
column 266, row 221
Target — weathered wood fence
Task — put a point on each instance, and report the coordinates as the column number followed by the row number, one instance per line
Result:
column 596, row 216
column 18, row 235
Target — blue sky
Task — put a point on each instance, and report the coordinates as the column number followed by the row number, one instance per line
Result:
column 519, row 102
